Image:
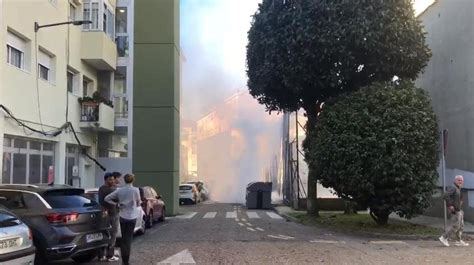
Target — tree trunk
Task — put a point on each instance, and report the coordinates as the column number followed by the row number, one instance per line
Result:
column 380, row 216
column 312, row 206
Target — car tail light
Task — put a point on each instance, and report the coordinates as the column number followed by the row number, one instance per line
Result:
column 57, row 218
column 30, row 234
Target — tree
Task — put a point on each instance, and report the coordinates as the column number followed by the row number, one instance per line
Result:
column 300, row 53
column 378, row 147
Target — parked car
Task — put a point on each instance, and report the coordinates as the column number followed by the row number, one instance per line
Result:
column 64, row 223
column 16, row 241
column 188, row 193
column 153, row 205
column 93, row 194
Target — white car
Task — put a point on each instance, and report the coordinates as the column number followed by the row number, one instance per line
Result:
column 93, row 194
column 188, row 193
column 16, row 241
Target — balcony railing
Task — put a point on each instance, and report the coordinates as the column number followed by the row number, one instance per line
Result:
column 97, row 116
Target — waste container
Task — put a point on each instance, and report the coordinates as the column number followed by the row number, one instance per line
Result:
column 259, row 195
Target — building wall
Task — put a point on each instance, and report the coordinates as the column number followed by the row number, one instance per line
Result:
column 449, row 76
column 28, row 96
column 156, row 98
column 449, row 79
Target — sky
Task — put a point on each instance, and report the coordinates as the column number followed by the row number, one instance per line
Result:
column 213, row 42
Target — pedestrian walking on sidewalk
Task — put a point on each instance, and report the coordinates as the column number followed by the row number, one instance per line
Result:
column 107, row 253
column 453, row 198
column 128, row 200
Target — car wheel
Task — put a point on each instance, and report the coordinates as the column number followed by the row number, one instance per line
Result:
column 86, row 257
column 162, row 218
column 149, row 221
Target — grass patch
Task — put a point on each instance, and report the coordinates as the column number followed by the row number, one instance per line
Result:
column 364, row 223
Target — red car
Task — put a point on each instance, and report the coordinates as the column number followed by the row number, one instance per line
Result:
column 153, row 206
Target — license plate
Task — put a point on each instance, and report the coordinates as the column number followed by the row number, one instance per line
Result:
column 94, row 237
column 9, row 243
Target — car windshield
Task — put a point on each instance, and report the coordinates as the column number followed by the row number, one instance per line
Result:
column 7, row 219
column 68, row 201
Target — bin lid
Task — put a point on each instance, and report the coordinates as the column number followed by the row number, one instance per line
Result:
column 259, row 186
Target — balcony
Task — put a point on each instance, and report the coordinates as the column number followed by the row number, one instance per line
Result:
column 99, row 50
column 97, row 116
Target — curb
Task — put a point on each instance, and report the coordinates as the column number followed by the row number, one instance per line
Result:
column 468, row 237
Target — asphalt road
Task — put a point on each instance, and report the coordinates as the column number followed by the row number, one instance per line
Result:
column 213, row 233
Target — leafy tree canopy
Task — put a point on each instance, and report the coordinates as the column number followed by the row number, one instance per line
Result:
column 379, row 147
column 301, row 52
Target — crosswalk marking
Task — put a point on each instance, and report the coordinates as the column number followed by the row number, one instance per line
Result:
column 326, row 241
column 274, row 215
column 249, row 224
column 231, row 215
column 281, row 237
column 252, row 215
column 210, row 215
column 259, row 229
column 241, row 224
column 250, row 229
column 187, row 215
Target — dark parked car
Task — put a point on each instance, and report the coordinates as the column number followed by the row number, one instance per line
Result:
column 63, row 222
column 153, row 206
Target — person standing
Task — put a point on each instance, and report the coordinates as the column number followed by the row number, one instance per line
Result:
column 453, row 198
column 107, row 253
column 128, row 200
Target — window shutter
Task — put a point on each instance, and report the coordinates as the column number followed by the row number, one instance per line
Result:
column 44, row 59
column 16, row 42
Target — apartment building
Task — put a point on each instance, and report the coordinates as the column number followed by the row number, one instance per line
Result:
column 85, row 75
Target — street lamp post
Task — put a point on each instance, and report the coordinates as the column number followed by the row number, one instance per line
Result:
column 74, row 22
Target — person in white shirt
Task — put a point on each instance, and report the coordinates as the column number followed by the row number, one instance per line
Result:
column 128, row 200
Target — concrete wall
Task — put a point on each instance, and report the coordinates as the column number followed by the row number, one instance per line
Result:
column 449, row 79
column 449, row 76
column 156, row 98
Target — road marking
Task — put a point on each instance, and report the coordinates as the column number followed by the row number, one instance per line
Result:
column 326, row 241
column 273, row 215
column 187, row 215
column 281, row 237
column 231, row 214
column 259, row 229
column 241, row 224
column 250, row 229
column 210, row 215
column 243, row 219
column 183, row 257
column 252, row 215
column 387, row 242
column 249, row 224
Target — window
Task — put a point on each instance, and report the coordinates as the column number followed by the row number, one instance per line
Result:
column 72, row 81
column 45, row 65
column 101, row 15
column 87, row 86
column 26, row 161
column 120, row 92
column 122, row 36
column 57, row 201
column 43, row 72
column 20, row 200
column 72, row 160
column 72, row 12
column 16, row 47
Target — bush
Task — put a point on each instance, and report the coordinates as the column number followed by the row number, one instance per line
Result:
column 378, row 147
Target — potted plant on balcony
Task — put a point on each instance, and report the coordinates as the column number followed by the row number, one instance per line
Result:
column 90, row 106
column 97, row 98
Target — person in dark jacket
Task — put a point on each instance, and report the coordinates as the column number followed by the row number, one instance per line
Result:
column 453, row 198
column 109, row 186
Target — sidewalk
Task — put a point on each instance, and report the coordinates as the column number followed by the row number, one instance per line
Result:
column 434, row 222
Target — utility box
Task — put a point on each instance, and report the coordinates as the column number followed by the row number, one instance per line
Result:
column 259, row 195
